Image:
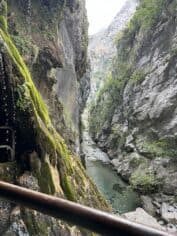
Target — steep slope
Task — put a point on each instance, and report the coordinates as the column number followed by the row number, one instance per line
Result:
column 102, row 49
column 52, row 37
column 43, row 161
column 134, row 119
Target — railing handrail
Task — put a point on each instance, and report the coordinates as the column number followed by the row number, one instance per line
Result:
column 91, row 219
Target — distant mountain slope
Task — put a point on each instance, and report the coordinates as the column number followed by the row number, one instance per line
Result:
column 101, row 47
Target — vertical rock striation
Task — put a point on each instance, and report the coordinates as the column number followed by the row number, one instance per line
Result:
column 53, row 38
column 134, row 119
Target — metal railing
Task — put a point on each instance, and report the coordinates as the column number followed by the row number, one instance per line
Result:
column 91, row 219
column 8, row 144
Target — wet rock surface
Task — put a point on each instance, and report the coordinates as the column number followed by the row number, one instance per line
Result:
column 43, row 161
column 53, row 39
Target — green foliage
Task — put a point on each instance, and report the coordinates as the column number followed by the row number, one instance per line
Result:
column 23, row 101
column 147, row 14
column 34, row 227
column 110, row 95
column 110, row 86
column 3, row 8
column 137, row 76
column 68, row 189
column 118, row 36
column 161, row 148
column 173, row 52
column 3, row 15
column 108, row 98
column 143, row 20
column 24, row 45
column 136, row 161
column 145, row 183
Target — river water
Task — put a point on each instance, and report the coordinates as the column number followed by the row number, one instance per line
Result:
column 117, row 192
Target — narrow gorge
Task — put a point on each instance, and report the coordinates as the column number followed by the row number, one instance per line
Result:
column 133, row 118
column 89, row 119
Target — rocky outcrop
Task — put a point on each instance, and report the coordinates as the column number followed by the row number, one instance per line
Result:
column 141, row 217
column 42, row 160
column 52, row 37
column 134, row 119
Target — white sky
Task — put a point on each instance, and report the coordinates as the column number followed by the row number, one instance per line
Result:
column 101, row 13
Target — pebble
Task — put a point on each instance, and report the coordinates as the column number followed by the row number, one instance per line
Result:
column 171, row 209
column 161, row 222
column 171, row 228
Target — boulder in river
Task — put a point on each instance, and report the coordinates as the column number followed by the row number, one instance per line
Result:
column 169, row 213
column 142, row 217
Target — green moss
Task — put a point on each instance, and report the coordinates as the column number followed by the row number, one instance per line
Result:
column 23, row 102
column 137, row 76
column 39, row 106
column 68, row 189
column 125, row 71
column 136, row 161
column 108, row 98
column 34, row 226
column 144, row 19
column 45, row 179
column 161, row 148
column 148, row 13
column 8, row 171
column 25, row 46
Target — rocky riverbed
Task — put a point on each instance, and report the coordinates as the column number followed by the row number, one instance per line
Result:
column 156, row 211
column 159, row 205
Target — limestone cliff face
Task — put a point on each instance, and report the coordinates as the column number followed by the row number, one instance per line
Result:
column 42, row 160
column 135, row 117
column 52, row 37
column 102, row 48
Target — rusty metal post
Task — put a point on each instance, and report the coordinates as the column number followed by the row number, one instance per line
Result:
column 91, row 219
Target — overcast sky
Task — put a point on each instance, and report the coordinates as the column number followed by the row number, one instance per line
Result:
column 101, row 13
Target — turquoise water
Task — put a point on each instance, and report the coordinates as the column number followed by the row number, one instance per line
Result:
column 117, row 192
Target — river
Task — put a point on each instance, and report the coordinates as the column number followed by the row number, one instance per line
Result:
column 120, row 196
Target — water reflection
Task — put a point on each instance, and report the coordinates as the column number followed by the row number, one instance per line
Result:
column 118, row 193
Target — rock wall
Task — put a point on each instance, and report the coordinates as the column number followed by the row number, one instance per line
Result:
column 102, row 48
column 52, row 37
column 134, row 119
column 42, row 161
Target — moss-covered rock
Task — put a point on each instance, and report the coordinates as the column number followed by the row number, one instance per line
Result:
column 9, row 171
column 57, row 169
column 3, row 15
column 145, row 183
